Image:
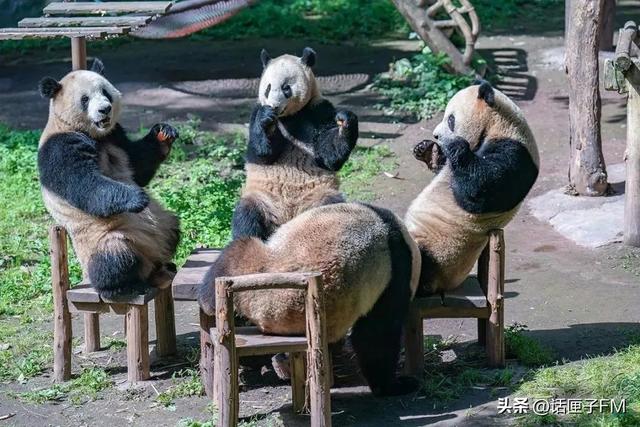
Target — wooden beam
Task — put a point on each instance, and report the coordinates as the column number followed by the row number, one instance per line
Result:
column 190, row 277
column 22, row 33
column 137, row 321
column 495, row 297
column 165, row 323
column 62, row 332
column 225, row 359
column 91, row 332
column 106, row 8
column 253, row 282
column 298, row 381
column 206, row 353
column 631, row 230
column 85, row 21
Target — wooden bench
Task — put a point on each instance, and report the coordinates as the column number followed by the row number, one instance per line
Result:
column 84, row 299
column 479, row 297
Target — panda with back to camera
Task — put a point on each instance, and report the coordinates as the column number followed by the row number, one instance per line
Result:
column 92, row 178
column 486, row 161
column 297, row 143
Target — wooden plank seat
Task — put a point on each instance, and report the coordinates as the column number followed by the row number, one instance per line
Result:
column 86, row 300
column 190, row 277
column 251, row 342
column 86, row 21
column 106, row 8
column 479, row 296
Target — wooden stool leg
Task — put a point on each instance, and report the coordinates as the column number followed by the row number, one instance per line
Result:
column 495, row 325
column 318, row 354
column 165, row 323
column 414, row 345
column 226, row 359
column 483, row 279
column 62, row 332
column 78, row 53
column 298, row 380
column 91, row 332
column 206, row 353
column 137, row 343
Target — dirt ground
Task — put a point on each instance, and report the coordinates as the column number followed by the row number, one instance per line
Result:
column 577, row 301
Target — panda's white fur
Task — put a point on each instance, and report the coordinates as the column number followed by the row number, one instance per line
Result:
column 450, row 236
column 297, row 142
column 83, row 144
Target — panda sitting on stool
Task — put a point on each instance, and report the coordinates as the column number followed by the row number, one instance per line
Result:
column 92, row 178
column 297, row 143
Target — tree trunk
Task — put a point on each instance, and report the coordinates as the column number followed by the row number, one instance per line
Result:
column 607, row 26
column 587, row 171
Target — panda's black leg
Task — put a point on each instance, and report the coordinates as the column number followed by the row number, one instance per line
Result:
column 116, row 275
column 250, row 220
column 376, row 337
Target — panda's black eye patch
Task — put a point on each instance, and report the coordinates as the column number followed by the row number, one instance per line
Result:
column 286, row 90
column 84, row 102
column 107, row 95
column 267, row 91
column 451, row 121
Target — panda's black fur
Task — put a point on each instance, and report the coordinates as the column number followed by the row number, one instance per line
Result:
column 92, row 177
column 297, row 143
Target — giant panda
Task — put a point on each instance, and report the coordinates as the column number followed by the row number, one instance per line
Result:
column 297, row 143
column 370, row 267
column 92, row 178
column 486, row 161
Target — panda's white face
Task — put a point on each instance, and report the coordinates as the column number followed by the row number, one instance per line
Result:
column 87, row 102
column 465, row 116
column 287, row 85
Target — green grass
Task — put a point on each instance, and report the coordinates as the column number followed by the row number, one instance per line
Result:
column 419, row 86
column 185, row 383
column 527, row 350
column 25, row 349
column 79, row 390
column 608, row 377
column 364, row 165
column 516, row 16
column 270, row 420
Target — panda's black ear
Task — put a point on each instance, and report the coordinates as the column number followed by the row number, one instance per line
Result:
column 49, row 87
column 265, row 57
column 97, row 66
column 486, row 92
column 308, row 57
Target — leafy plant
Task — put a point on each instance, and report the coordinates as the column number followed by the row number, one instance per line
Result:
column 420, row 85
column 527, row 350
column 186, row 383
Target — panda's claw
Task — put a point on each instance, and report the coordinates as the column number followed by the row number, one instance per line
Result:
column 165, row 133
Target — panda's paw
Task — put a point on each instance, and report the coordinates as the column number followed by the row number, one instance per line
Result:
column 456, row 149
column 430, row 153
column 137, row 202
column 165, row 134
column 267, row 118
column 346, row 120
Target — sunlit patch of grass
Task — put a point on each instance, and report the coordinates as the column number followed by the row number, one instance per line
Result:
column 364, row 165
column 527, row 350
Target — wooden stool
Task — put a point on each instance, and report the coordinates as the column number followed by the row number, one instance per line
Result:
column 84, row 299
column 479, row 297
column 230, row 343
column 185, row 288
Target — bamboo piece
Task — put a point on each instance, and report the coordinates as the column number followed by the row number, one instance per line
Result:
column 62, row 332
column 165, row 323
column 318, row 354
column 225, row 358
column 495, row 297
column 298, row 381
column 91, row 332
column 483, row 279
column 631, row 230
column 137, row 319
column 79, row 53
column 206, row 353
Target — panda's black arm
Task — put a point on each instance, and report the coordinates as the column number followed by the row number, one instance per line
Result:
column 265, row 139
column 333, row 143
column 68, row 167
column 145, row 155
column 495, row 178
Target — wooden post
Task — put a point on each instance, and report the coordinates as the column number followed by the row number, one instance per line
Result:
column 78, row 53
column 414, row 344
column 587, row 171
column 91, row 332
column 607, row 25
column 225, row 358
column 495, row 299
column 483, row 279
column 206, row 353
column 137, row 319
column 165, row 323
column 62, row 332
column 632, row 159
column 318, row 355
column 298, row 381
